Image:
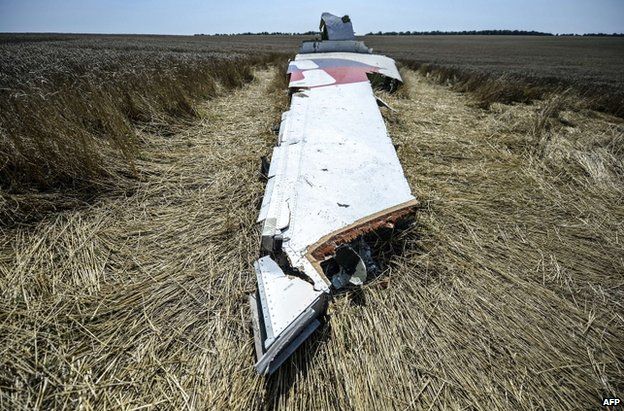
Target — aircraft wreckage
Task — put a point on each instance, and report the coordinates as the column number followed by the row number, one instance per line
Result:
column 334, row 178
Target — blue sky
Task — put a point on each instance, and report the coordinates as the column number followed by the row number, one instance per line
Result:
column 194, row 16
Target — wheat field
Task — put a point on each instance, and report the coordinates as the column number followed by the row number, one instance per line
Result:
column 506, row 294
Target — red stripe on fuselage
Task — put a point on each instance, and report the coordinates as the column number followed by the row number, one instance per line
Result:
column 342, row 75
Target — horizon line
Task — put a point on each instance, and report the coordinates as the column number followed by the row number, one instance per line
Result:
column 279, row 33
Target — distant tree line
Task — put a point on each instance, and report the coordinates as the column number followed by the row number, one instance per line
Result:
column 592, row 34
column 429, row 33
column 263, row 33
column 461, row 33
column 488, row 33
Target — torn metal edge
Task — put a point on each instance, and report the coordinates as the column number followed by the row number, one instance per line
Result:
column 289, row 340
column 283, row 346
column 326, row 246
column 269, row 360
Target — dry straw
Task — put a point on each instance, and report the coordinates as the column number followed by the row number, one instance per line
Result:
column 507, row 294
column 69, row 108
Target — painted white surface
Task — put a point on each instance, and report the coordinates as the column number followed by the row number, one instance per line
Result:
column 334, row 164
column 305, row 64
column 386, row 65
column 313, row 78
column 283, row 298
column 347, row 167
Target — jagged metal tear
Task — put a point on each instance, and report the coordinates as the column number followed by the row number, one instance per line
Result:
column 334, row 175
column 284, row 313
column 352, row 268
column 336, row 28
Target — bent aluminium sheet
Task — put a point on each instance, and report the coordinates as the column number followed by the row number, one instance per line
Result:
column 334, row 175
